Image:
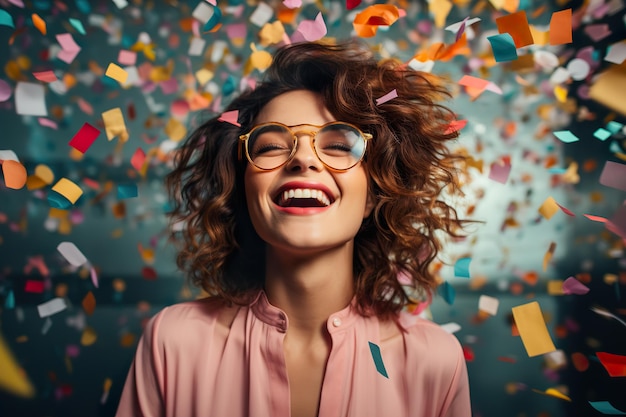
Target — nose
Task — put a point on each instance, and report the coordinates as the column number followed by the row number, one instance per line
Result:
column 304, row 157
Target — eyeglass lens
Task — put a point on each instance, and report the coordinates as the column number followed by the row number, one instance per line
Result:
column 339, row 146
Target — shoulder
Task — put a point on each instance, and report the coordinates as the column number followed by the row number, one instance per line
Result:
column 188, row 320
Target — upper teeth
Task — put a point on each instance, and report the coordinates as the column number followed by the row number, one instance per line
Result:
column 306, row 193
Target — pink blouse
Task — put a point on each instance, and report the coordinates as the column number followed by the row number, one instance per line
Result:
column 200, row 358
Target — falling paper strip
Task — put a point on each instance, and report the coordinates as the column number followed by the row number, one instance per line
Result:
column 532, row 329
column 13, row 379
column 51, row 307
column 84, row 138
column 30, row 99
column 378, row 359
column 71, row 253
column 488, row 304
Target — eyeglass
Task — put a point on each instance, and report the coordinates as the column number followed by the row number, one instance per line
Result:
column 338, row 145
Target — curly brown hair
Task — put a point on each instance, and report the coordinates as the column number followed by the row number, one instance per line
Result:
column 408, row 161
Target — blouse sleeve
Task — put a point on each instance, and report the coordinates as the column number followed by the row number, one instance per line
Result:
column 142, row 395
column 457, row 403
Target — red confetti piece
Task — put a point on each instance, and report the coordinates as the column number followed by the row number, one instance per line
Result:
column 455, row 126
column 351, row 4
column 614, row 364
column 580, row 361
column 138, row 159
column 83, row 139
column 148, row 273
column 34, row 286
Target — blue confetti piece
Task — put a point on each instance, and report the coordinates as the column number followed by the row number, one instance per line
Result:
column 565, row 136
column 127, row 191
column 83, row 6
column 605, row 407
column 58, row 201
column 229, row 85
column 602, row 134
column 614, row 127
column 461, row 267
column 6, row 19
column 78, row 25
column 557, row 170
column 9, row 302
column 447, row 292
column 213, row 20
column 503, row 47
column 378, row 359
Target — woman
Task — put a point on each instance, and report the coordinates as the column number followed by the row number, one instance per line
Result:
column 298, row 224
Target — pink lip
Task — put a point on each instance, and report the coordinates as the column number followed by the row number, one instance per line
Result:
column 292, row 185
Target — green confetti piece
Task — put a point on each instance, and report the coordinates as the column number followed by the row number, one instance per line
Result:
column 78, row 25
column 566, row 136
column 503, row 47
column 378, row 359
column 6, row 19
column 461, row 268
column 602, row 134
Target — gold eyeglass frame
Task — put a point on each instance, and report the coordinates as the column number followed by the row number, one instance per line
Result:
column 244, row 140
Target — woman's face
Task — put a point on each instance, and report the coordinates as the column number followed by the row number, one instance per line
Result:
column 332, row 204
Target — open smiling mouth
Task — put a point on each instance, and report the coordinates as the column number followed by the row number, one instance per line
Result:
column 303, row 198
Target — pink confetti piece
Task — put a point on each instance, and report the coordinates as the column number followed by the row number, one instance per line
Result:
column 69, row 48
column 595, row 218
column 310, row 30
column 46, row 76
column 230, row 117
column 94, row 276
column 138, row 159
column 597, row 32
column 566, row 211
column 47, row 123
column 294, row 4
column 5, row 90
column 85, row 106
column 573, row 286
column 500, row 171
column 389, row 96
column 614, row 175
column 125, row 57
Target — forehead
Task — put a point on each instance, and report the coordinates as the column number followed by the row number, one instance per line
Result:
column 298, row 107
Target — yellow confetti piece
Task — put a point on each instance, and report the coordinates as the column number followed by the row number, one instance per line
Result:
column 560, row 93
column 555, row 287
column 117, row 73
column 440, row 9
column 108, row 382
column 548, row 208
column 271, row 33
column 12, row 378
column 175, row 130
column 68, row 189
column 44, row 173
column 88, row 337
column 532, row 329
column 260, row 60
column 39, row 23
column 552, row 392
column 114, row 124
column 204, row 76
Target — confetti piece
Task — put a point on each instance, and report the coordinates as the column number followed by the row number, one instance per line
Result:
column 560, row 27
column 14, row 174
column 440, row 10
column 447, row 292
column 350, row 4
column 614, row 175
column 84, row 138
column 532, row 329
column 196, row 47
column 565, row 136
column 89, row 303
column 455, row 126
column 138, row 159
column 121, row 4
column 68, row 190
column 488, row 304
column 127, row 191
column 602, row 134
column 39, row 23
column 606, row 407
column 616, row 53
column 367, row 22
column 499, row 171
column 451, row 327
column 34, row 286
column 30, row 99
column 503, row 47
column 262, row 14
column 46, row 76
column 108, row 382
column 5, row 91
column 603, row 312
column 310, row 30
column 125, row 57
column 548, row 208
column 94, row 276
column 597, row 32
column 230, row 117
column 44, row 173
column 548, row 255
column 13, row 379
column 51, row 307
column 88, row 337
column 378, row 359
column 580, row 362
column 461, row 267
column 614, row 364
column 572, row 286
column 9, row 301
column 516, row 25
column 389, row 96
column 175, row 130
column 555, row 287
column 114, row 124
column 117, row 73
column 69, row 48
column 72, row 254
column 6, row 19
column 260, row 60
column 552, row 392
column 78, row 25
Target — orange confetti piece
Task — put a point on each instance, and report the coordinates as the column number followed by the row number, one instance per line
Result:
column 89, row 303
column 580, row 361
column 516, row 25
column 14, row 174
column 366, row 23
column 560, row 27
column 39, row 23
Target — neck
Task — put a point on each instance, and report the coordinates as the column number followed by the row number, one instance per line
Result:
column 310, row 288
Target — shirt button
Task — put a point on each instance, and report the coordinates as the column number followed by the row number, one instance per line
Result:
column 336, row 322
